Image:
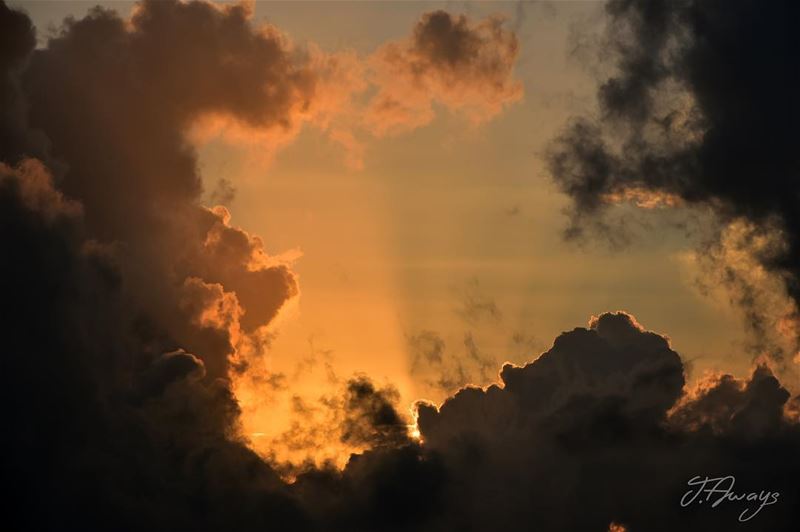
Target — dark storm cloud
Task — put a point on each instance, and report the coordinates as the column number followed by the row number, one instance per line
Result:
column 615, row 358
column 700, row 108
column 103, row 424
column 127, row 302
column 585, row 436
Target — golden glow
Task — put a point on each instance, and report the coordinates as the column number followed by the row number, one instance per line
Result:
column 385, row 232
column 644, row 198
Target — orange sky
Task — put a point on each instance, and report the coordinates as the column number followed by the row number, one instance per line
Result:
column 449, row 228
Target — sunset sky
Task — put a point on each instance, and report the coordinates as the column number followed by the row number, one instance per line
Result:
column 447, row 214
column 403, row 193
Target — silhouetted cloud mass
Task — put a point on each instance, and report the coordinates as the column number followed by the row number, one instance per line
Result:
column 131, row 306
column 585, row 435
column 699, row 109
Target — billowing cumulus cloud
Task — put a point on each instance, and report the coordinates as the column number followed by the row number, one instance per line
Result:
column 99, row 404
column 598, row 430
column 171, row 64
column 133, row 310
column 697, row 109
column 115, row 100
column 464, row 65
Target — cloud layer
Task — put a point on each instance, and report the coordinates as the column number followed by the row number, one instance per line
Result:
column 133, row 308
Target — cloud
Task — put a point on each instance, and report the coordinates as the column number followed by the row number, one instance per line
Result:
column 326, row 431
column 696, row 109
column 475, row 306
column 450, row 60
column 598, row 427
column 614, row 358
column 443, row 368
column 129, row 307
column 599, row 430
column 442, row 362
column 101, row 407
column 372, row 417
column 723, row 404
column 133, row 310
column 133, row 90
column 143, row 73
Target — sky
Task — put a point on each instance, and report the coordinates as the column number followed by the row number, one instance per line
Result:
column 447, row 215
column 339, row 209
